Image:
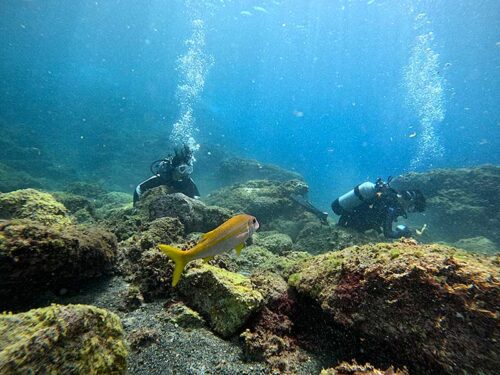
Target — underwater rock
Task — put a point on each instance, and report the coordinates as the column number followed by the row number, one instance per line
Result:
column 424, row 304
column 462, row 203
column 193, row 213
column 33, row 205
column 275, row 242
column 12, row 179
column 479, row 244
column 181, row 315
column 353, row 368
column 264, row 199
column 317, row 238
column 237, row 170
column 227, row 299
column 72, row 339
column 152, row 274
column 81, row 208
column 34, row 257
column 123, row 222
column 270, row 337
column 141, row 338
column 91, row 190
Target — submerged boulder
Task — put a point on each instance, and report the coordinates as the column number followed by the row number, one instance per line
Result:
column 317, row 238
column 35, row 257
column 227, row 299
column 462, row 203
column 266, row 200
column 33, row 205
column 237, row 170
column 275, row 242
column 193, row 213
column 72, row 339
column 431, row 307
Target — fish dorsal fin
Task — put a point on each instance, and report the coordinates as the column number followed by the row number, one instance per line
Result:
column 239, row 247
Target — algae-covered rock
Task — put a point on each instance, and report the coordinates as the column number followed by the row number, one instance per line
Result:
column 34, row 257
column 346, row 368
column 227, row 299
column 462, row 203
column 427, row 305
column 270, row 337
column 72, row 339
column 180, row 314
column 316, row 238
column 275, row 242
column 236, row 170
column 193, row 213
column 264, row 199
column 33, row 205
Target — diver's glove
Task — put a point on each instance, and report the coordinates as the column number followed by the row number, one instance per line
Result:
column 403, row 231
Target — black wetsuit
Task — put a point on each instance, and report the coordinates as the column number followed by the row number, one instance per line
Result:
column 378, row 213
column 185, row 186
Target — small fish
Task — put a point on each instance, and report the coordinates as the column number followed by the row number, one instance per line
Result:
column 230, row 235
column 245, row 13
column 412, row 135
column 260, row 9
column 297, row 113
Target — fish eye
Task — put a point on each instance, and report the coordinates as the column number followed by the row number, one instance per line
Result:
column 254, row 220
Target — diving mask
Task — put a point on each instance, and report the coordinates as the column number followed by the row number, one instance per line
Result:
column 184, row 169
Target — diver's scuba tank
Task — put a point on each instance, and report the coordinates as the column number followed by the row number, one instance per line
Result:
column 354, row 198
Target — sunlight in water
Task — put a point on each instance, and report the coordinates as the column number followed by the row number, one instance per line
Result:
column 425, row 94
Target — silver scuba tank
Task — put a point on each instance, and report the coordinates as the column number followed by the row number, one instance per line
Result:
column 354, row 198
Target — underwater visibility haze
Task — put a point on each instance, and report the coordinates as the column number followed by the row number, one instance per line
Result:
column 269, row 108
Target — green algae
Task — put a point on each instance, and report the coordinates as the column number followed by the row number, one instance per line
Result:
column 62, row 339
column 33, row 205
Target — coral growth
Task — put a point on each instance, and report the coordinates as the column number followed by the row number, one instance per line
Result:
column 355, row 369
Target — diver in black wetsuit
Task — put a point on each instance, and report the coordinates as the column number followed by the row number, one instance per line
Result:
column 377, row 206
column 173, row 172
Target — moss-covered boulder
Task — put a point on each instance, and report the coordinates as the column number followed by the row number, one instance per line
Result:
column 33, row 205
column 431, row 307
column 225, row 298
column 193, row 213
column 462, row 203
column 35, row 257
column 72, row 339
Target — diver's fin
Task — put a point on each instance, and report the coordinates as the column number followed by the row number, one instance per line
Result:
column 179, row 257
column 239, row 247
column 208, row 259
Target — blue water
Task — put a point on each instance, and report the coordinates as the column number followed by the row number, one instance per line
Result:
column 320, row 87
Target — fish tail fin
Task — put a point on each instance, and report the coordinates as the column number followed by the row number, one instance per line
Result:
column 179, row 257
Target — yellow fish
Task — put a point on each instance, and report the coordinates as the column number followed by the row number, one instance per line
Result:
column 230, row 235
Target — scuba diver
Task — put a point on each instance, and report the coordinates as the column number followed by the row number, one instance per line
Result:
column 174, row 172
column 376, row 206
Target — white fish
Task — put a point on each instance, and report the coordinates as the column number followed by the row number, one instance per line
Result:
column 260, row 9
column 245, row 13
